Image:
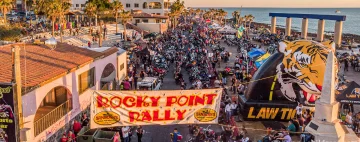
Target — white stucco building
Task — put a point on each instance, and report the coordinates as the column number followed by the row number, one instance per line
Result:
column 158, row 7
column 57, row 85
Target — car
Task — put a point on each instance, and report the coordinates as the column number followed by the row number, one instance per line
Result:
column 33, row 17
column 12, row 13
column 13, row 18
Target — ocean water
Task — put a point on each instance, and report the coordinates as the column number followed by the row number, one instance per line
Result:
column 351, row 25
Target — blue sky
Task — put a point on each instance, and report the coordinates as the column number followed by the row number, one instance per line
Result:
column 273, row 3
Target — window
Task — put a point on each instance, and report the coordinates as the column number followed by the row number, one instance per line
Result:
column 136, row 5
column 128, row 5
column 137, row 21
column 86, row 80
column 82, row 5
column 122, row 66
column 157, row 13
column 77, row 5
column 157, row 20
column 145, row 20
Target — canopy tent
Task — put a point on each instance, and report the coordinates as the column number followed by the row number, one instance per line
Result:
column 215, row 26
column 255, row 53
column 227, row 29
column 262, row 60
column 350, row 94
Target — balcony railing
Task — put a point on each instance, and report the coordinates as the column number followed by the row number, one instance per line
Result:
column 50, row 118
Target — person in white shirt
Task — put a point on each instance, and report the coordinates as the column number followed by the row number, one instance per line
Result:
column 299, row 109
column 228, row 112
column 125, row 130
column 349, row 119
column 199, row 84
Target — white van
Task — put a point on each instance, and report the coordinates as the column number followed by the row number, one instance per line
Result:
column 149, row 83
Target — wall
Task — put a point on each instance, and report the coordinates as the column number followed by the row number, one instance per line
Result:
column 122, row 59
column 153, row 27
column 31, row 101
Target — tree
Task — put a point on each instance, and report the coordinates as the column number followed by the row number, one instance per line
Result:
column 198, row 11
column 176, row 8
column 251, row 19
column 116, row 6
column 185, row 14
column 101, row 7
column 236, row 16
column 222, row 14
column 125, row 18
column 90, row 10
column 64, row 8
column 5, row 7
column 51, row 9
column 172, row 18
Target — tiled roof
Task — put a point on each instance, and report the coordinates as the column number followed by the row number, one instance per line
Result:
column 147, row 15
column 42, row 64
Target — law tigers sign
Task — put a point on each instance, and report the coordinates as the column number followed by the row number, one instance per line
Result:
column 126, row 108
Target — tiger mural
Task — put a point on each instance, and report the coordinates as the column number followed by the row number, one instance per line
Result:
column 304, row 64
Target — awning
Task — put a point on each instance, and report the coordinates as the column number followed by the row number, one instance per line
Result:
column 350, row 93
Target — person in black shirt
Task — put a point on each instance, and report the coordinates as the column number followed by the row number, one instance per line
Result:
column 84, row 120
column 139, row 133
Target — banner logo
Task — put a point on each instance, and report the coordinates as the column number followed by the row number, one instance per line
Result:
column 205, row 115
column 106, row 118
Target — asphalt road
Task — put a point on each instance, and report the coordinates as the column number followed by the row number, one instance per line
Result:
column 162, row 133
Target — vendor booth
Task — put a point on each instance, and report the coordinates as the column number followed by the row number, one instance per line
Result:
column 348, row 95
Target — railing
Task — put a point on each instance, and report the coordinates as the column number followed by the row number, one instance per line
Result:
column 50, row 118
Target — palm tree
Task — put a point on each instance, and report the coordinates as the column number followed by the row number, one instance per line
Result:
column 64, row 8
column 185, row 13
column 172, row 18
column 116, row 6
column 5, row 7
column 90, row 10
column 222, row 14
column 236, row 16
column 251, row 19
column 198, row 11
column 125, row 18
column 176, row 8
column 51, row 9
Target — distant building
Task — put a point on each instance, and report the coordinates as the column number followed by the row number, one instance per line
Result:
column 57, row 84
column 150, row 22
column 156, row 7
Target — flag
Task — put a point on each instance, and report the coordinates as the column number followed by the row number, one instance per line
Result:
column 240, row 31
column 262, row 60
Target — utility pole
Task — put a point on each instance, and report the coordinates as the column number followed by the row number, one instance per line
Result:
column 100, row 34
column 16, row 75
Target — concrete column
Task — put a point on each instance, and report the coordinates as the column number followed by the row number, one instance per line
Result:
column 77, row 18
column 273, row 25
column 304, row 28
column 288, row 27
column 338, row 33
column 320, row 32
